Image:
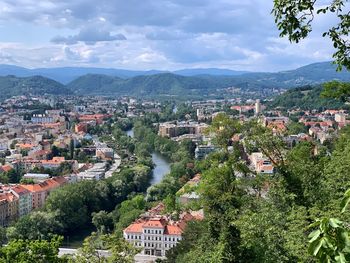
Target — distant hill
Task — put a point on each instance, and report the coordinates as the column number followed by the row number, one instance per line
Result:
column 159, row 85
column 36, row 85
column 201, row 85
column 205, row 82
column 306, row 98
column 208, row 71
column 311, row 74
column 68, row 74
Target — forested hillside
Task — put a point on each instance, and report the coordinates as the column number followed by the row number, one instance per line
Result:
column 169, row 84
column 306, row 98
column 37, row 85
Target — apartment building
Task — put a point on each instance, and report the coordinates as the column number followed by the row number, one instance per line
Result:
column 41, row 191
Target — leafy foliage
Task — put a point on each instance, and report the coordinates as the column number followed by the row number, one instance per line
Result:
column 294, row 19
column 305, row 98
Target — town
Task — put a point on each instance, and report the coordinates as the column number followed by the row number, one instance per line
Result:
column 47, row 143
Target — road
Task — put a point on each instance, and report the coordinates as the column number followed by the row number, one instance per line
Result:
column 71, row 251
column 139, row 258
column 114, row 167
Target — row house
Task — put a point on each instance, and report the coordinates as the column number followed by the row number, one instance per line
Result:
column 41, row 191
column 25, row 199
column 19, row 200
column 28, row 164
column 9, row 204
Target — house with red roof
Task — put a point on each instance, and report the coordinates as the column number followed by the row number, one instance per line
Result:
column 155, row 234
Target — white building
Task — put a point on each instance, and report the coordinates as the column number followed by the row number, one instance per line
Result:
column 340, row 117
column 154, row 236
column 257, row 107
column 96, row 172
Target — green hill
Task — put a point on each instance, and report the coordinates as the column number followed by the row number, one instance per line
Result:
column 306, row 98
column 36, row 85
column 169, row 84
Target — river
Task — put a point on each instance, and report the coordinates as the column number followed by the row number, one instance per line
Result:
column 161, row 164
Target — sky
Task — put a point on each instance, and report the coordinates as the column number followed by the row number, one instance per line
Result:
column 153, row 34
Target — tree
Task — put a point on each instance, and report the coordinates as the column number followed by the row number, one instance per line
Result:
column 336, row 90
column 88, row 253
column 330, row 242
column 24, row 251
column 294, row 19
column 224, row 128
column 102, row 221
column 36, row 225
column 118, row 249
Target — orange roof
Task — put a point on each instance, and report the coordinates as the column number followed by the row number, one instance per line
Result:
column 156, row 223
column 134, row 228
column 9, row 197
column 173, row 230
column 47, row 185
column 52, row 125
column 6, row 168
column 55, row 160
column 42, row 152
column 93, row 116
column 25, row 145
column 20, row 189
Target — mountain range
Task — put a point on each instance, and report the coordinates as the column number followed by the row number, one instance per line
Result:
column 185, row 83
column 68, row 74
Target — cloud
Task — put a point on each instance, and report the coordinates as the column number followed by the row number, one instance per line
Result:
column 167, row 34
column 89, row 36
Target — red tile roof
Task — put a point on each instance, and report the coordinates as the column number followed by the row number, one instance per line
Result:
column 173, row 230
column 154, row 223
column 134, row 228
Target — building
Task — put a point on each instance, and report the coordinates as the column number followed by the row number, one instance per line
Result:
column 340, row 117
column 167, row 130
column 257, row 107
column 173, row 130
column 202, row 151
column 81, row 127
column 41, row 191
column 96, row 172
column 156, row 234
column 105, row 153
column 9, row 205
column 261, row 164
column 41, row 118
column 36, row 177
column 25, row 199
column 243, row 108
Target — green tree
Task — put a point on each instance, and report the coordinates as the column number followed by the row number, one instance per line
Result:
column 224, row 128
column 330, row 241
column 118, row 249
column 336, row 90
column 24, row 251
column 36, row 225
column 294, row 20
column 102, row 221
